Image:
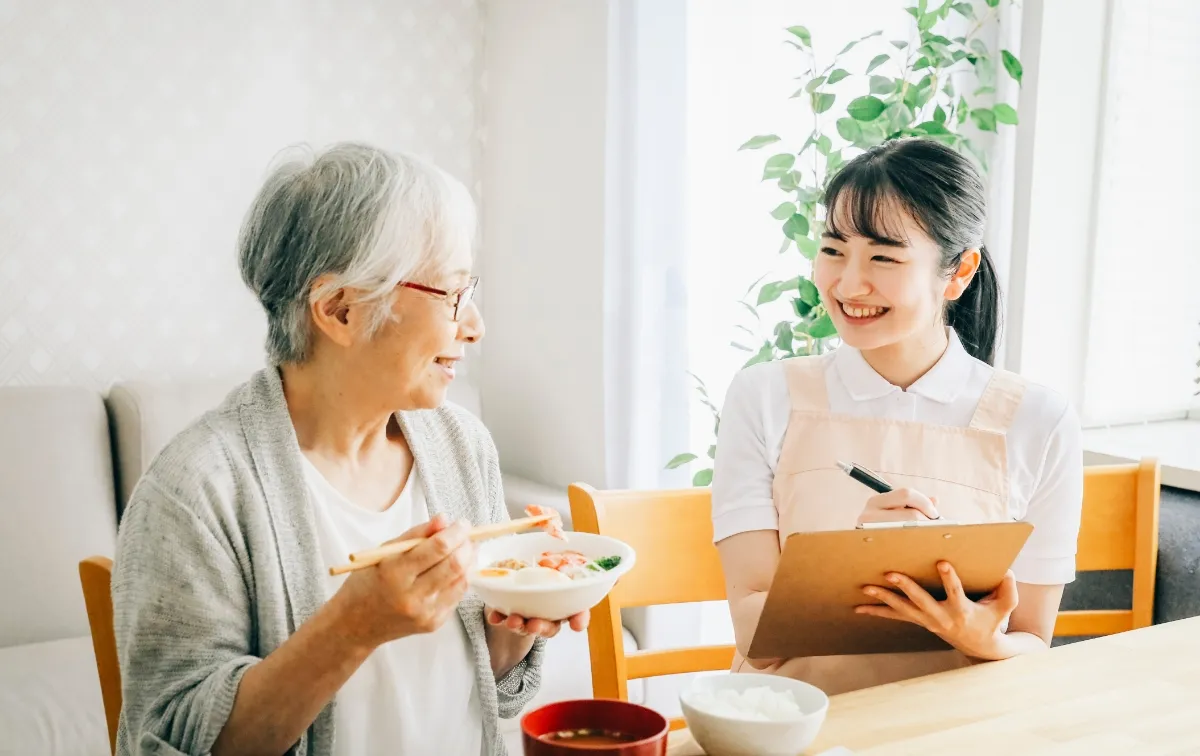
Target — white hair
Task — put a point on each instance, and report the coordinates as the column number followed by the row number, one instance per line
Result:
column 369, row 217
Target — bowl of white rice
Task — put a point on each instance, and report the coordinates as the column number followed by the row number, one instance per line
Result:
column 753, row 714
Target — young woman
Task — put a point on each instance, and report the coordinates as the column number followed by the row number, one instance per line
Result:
column 910, row 394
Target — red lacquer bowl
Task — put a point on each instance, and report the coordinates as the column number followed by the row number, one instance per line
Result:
column 644, row 730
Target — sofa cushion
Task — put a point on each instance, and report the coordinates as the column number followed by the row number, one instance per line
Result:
column 566, row 675
column 50, row 702
column 145, row 416
column 56, row 508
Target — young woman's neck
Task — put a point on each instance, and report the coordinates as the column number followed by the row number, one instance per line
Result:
column 904, row 362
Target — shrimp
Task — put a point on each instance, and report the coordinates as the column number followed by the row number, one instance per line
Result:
column 558, row 560
column 554, row 526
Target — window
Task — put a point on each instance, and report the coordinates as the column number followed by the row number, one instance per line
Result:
column 1145, row 295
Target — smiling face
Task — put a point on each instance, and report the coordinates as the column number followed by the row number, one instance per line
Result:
column 880, row 289
column 420, row 347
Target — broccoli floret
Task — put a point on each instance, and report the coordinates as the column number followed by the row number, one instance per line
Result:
column 608, row 562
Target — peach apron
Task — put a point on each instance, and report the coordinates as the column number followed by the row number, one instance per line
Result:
column 966, row 469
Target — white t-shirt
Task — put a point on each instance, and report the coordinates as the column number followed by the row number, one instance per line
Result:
column 1045, row 452
column 415, row 695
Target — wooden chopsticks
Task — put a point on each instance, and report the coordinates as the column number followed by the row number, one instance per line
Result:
column 370, row 557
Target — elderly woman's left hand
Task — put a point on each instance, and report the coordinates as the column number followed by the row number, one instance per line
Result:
column 974, row 627
column 536, row 627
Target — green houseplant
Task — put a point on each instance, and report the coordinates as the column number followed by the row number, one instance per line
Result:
column 913, row 91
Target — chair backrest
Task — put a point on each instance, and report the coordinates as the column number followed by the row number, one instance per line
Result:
column 672, row 533
column 95, row 574
column 1119, row 531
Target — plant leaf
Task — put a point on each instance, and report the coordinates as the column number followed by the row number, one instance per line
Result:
column 992, row 3
column 679, row 460
column 712, row 452
column 787, row 244
column 1005, row 113
column 742, row 347
column 822, row 101
column 802, row 34
column 769, row 292
column 753, row 143
column 921, row 63
column 899, row 116
column 784, row 211
column 866, row 108
column 801, row 308
column 703, row 478
column 980, row 48
column 808, row 293
column 1012, row 65
column 824, row 145
column 850, row 46
column 931, row 128
column 965, row 10
column 939, row 115
column 837, row 75
column 882, row 85
column 926, row 21
column 789, row 181
column 899, row 44
column 762, row 355
column 983, row 91
column 807, row 247
column 878, row 61
column 984, row 118
column 811, row 86
column 849, row 130
column 778, row 165
column 796, row 227
column 783, row 336
column 822, row 328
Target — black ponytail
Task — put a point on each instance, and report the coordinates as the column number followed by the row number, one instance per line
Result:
column 945, row 195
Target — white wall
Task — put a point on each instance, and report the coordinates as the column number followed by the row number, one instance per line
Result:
column 1063, row 46
column 544, row 173
column 133, row 135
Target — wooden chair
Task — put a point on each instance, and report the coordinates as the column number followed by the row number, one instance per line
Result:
column 95, row 574
column 1119, row 531
column 677, row 563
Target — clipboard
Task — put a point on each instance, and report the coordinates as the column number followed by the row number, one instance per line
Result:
column 809, row 609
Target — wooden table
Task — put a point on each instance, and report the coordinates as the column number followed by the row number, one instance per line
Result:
column 1133, row 693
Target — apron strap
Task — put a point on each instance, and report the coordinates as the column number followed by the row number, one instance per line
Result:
column 999, row 402
column 806, row 384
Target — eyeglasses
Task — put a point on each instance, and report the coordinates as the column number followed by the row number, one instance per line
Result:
column 460, row 298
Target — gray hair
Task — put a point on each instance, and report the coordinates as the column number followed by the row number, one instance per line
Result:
column 369, row 217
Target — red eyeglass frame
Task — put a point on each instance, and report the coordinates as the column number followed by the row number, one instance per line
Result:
column 458, row 294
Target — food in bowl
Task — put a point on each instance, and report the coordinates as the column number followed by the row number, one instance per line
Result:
column 550, row 567
column 511, row 573
column 753, row 714
column 761, row 704
column 589, row 736
column 594, row 726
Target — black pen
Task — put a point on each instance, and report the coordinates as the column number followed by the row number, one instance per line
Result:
column 866, row 477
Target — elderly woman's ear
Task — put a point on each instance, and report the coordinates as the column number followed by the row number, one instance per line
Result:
column 336, row 315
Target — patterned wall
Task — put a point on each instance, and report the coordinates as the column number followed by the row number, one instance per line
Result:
column 133, row 134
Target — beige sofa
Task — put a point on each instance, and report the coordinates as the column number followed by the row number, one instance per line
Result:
column 69, row 458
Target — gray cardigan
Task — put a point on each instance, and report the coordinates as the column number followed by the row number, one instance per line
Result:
column 217, row 565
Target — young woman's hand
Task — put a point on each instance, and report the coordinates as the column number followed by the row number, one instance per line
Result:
column 976, row 628
column 901, row 505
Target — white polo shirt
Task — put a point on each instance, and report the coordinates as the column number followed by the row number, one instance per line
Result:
column 1045, row 453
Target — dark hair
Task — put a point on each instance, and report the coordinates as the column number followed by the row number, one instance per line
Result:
column 941, row 190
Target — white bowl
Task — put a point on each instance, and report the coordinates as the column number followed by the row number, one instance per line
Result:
column 726, row 736
column 551, row 602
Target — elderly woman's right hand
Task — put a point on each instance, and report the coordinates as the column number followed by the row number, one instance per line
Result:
column 411, row 593
column 901, row 505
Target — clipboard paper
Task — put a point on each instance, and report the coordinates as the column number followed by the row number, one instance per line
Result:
column 809, row 609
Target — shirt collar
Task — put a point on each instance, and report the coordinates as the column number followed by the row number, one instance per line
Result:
column 943, row 383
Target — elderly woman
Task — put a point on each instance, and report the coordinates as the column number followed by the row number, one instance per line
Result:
column 233, row 638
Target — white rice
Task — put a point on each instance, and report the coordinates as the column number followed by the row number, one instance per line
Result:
column 760, row 704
